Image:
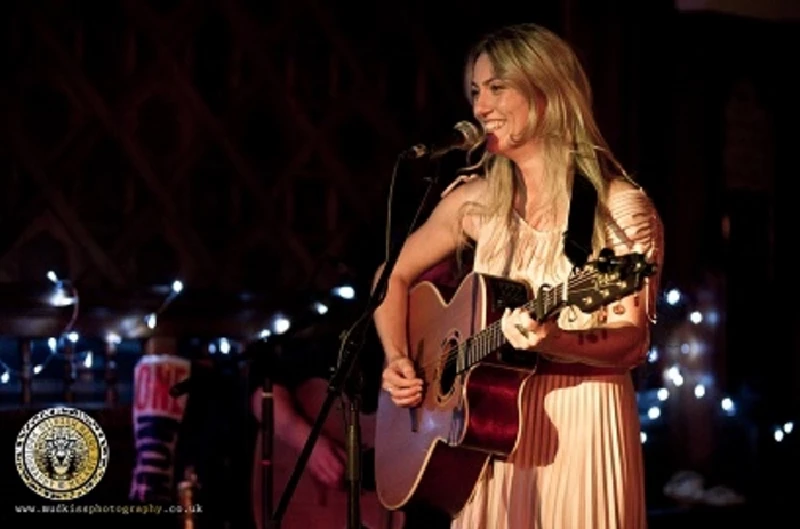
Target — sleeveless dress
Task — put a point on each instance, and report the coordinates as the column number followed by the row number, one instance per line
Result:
column 579, row 461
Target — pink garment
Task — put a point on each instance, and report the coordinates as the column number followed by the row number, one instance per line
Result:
column 578, row 464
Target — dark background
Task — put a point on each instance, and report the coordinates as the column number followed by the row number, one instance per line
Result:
column 246, row 148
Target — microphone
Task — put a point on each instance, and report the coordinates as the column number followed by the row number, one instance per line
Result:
column 464, row 136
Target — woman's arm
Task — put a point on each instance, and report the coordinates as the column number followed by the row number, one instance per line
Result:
column 435, row 240
column 623, row 338
column 621, row 343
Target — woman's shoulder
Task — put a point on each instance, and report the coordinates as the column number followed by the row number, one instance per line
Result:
column 468, row 187
column 621, row 185
column 634, row 222
column 624, row 194
column 459, row 198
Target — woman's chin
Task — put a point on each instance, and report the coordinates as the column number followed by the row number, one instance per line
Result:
column 492, row 143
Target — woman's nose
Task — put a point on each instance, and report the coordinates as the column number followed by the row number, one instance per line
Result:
column 480, row 105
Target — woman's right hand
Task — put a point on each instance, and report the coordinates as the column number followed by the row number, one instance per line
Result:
column 400, row 380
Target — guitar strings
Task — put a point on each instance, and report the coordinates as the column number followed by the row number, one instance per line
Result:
column 576, row 285
column 584, row 282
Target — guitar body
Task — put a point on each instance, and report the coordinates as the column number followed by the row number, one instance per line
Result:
column 471, row 408
column 435, row 453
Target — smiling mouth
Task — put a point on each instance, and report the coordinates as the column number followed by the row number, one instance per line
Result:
column 492, row 126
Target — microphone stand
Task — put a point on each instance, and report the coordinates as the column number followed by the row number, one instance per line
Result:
column 345, row 378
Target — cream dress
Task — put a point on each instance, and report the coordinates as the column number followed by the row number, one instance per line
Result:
column 579, row 461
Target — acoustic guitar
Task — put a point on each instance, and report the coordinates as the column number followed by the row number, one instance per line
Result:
column 434, row 453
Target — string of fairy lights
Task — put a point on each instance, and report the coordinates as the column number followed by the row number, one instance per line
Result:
column 684, row 353
column 65, row 294
column 684, row 356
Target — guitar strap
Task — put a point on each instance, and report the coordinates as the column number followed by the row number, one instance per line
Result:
column 580, row 223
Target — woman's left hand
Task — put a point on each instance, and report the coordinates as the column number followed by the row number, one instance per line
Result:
column 523, row 332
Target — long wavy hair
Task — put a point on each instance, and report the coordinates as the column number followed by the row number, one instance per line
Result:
column 544, row 68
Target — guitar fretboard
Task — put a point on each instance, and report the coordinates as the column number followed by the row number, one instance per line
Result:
column 490, row 339
column 589, row 289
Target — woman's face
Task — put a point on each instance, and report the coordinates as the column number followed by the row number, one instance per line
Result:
column 501, row 109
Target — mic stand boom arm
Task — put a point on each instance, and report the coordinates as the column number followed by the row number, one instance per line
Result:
column 344, row 375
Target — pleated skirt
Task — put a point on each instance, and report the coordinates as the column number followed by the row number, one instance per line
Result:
column 578, row 464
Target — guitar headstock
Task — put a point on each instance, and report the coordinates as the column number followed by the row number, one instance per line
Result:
column 608, row 279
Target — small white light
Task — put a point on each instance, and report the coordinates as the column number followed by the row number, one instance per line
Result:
column 699, row 391
column 696, row 317
column 662, row 394
column 673, row 296
column 281, row 324
column 673, row 374
column 113, row 338
column 643, row 437
column 654, row 412
column 652, row 356
column 344, row 292
column 60, row 298
column 673, row 371
column 52, row 344
column 37, row 369
column 778, row 435
column 177, row 286
column 4, row 377
column 52, row 276
column 728, row 406
column 73, row 337
column 320, row 308
column 88, row 360
column 224, row 346
column 265, row 333
column 788, row 427
column 151, row 321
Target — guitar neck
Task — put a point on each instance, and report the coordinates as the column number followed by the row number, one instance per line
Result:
column 548, row 303
column 602, row 282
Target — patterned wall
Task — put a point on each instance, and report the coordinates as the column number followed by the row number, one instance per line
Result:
column 248, row 144
column 234, row 144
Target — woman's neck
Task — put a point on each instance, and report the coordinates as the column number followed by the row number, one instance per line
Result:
column 538, row 197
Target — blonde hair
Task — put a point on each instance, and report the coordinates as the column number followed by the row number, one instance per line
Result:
column 545, row 69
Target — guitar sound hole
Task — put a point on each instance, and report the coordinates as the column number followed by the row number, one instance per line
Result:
column 448, row 368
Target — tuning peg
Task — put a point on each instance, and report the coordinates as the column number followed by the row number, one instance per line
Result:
column 605, row 260
column 606, row 253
